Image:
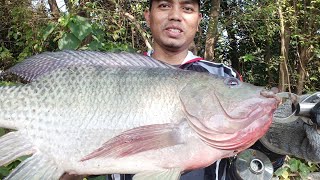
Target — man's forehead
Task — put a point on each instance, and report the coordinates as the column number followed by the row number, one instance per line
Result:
column 180, row 1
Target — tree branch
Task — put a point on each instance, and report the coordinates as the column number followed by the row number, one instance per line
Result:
column 141, row 31
column 54, row 8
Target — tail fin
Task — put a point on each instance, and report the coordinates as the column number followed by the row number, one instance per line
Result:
column 36, row 167
column 14, row 145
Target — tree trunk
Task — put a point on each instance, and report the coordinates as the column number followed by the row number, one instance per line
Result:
column 304, row 53
column 212, row 32
column 68, row 5
column 284, row 82
column 233, row 53
column 303, row 60
column 54, row 8
column 267, row 60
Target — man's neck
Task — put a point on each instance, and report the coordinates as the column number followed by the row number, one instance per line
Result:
column 173, row 58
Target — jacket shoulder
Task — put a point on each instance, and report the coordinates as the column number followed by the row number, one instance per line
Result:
column 212, row 68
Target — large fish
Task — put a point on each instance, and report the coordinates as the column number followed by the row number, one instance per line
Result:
column 100, row 113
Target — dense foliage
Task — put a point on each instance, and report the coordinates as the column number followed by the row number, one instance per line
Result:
column 254, row 37
column 248, row 34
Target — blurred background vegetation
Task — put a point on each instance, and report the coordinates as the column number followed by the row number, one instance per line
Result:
column 270, row 43
column 273, row 43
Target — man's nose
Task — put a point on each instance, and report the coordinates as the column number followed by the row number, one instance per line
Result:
column 175, row 14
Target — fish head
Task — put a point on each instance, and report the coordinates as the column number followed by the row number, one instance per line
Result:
column 227, row 113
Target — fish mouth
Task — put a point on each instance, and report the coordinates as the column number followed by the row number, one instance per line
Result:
column 252, row 108
column 238, row 131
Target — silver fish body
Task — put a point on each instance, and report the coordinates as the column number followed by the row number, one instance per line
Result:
column 153, row 121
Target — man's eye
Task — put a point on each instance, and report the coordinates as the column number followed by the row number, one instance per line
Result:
column 164, row 6
column 188, row 9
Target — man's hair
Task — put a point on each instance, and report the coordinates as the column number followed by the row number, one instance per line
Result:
column 150, row 3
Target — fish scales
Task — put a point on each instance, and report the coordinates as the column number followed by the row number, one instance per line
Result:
column 96, row 86
column 68, row 106
column 98, row 118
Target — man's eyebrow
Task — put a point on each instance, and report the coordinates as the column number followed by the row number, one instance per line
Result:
column 188, row 1
column 181, row 1
column 162, row 1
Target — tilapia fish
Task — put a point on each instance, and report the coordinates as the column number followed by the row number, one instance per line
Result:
column 89, row 113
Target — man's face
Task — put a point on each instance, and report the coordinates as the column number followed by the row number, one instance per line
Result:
column 173, row 23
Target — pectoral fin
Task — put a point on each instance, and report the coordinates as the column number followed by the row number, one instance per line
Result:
column 170, row 174
column 138, row 140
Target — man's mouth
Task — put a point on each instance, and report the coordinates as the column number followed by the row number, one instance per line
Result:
column 174, row 30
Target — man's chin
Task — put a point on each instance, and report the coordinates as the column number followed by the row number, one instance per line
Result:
column 173, row 46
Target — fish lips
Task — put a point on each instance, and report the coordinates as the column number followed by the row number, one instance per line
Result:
column 251, row 108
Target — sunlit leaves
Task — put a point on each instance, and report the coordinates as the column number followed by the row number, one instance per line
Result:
column 248, row 58
column 295, row 168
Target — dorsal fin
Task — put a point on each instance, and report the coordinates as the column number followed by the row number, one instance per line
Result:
column 38, row 65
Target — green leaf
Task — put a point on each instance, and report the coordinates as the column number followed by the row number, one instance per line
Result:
column 281, row 171
column 248, row 58
column 2, row 131
column 285, row 174
column 69, row 41
column 95, row 45
column 22, row 158
column 304, row 170
column 80, row 27
column 6, row 83
column 313, row 78
column 294, row 165
column 99, row 33
column 13, row 165
column 97, row 178
column 50, row 28
column 4, row 171
column 64, row 20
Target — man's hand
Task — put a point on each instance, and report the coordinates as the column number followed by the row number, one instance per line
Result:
column 296, row 138
column 315, row 114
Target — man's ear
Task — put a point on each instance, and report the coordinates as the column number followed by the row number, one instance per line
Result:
column 147, row 16
column 199, row 20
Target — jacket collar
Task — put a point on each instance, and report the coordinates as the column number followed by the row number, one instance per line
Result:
column 188, row 59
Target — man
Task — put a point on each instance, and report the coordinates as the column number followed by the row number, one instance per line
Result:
column 173, row 24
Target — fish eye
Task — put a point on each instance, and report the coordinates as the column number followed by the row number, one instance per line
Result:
column 232, row 82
